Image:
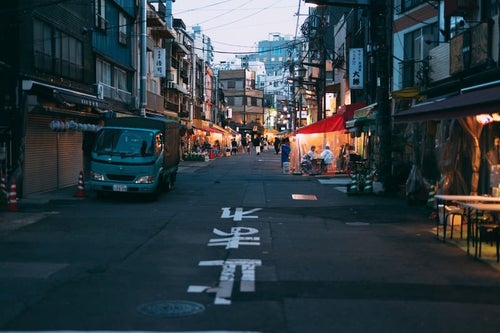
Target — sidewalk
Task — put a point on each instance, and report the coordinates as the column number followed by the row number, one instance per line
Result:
column 488, row 250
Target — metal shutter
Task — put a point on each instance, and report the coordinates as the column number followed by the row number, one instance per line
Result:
column 70, row 157
column 53, row 160
column 40, row 163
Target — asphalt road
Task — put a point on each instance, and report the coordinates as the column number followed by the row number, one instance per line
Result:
column 237, row 246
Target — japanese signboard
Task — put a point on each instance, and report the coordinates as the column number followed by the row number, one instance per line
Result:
column 159, row 62
column 356, row 68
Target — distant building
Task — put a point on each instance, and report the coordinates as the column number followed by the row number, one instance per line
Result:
column 242, row 99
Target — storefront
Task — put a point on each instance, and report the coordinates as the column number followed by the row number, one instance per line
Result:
column 360, row 128
column 60, row 124
column 204, row 132
column 329, row 131
column 464, row 137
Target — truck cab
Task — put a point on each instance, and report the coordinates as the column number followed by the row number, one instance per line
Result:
column 136, row 155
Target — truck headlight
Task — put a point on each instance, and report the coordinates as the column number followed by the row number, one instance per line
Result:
column 145, row 180
column 96, row 176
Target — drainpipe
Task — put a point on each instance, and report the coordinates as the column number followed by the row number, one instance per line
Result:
column 169, row 19
column 143, row 59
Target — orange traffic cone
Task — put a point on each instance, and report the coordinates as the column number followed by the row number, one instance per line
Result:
column 12, row 203
column 80, row 190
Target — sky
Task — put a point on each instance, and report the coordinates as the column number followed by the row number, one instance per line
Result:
column 237, row 25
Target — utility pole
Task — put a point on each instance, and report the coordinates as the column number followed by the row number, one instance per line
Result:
column 244, row 96
column 379, row 30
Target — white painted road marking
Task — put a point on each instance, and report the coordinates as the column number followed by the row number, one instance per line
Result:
column 239, row 214
column 226, row 280
column 238, row 236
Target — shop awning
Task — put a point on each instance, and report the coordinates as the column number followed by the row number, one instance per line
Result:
column 329, row 124
column 212, row 130
column 231, row 131
column 69, row 97
column 406, row 93
column 347, row 110
column 362, row 116
column 467, row 103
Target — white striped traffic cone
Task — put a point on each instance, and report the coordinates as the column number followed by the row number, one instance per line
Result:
column 12, row 203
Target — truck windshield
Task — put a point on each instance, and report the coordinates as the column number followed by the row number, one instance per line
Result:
column 125, row 142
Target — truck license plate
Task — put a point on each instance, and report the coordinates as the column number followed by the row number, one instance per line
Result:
column 120, row 188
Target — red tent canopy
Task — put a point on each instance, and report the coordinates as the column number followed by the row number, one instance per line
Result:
column 329, row 124
column 333, row 123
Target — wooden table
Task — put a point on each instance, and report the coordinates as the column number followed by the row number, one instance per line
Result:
column 461, row 200
column 480, row 207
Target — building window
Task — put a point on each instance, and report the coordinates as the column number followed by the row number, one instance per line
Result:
column 120, row 79
column 409, row 4
column 100, row 14
column 42, row 37
column 231, row 84
column 416, row 50
column 122, row 29
column 103, row 72
column 56, row 52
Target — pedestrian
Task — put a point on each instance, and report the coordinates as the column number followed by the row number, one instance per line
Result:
column 256, row 143
column 234, row 146
column 277, row 145
column 244, row 144
column 285, row 151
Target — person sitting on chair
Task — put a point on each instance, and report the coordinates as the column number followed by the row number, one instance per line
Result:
column 327, row 157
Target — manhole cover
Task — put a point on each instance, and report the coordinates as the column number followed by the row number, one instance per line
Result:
column 357, row 224
column 170, row 308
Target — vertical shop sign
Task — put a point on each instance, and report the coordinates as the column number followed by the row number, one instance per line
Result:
column 356, row 68
column 159, row 62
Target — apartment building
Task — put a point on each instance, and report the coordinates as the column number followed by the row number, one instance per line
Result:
column 242, row 99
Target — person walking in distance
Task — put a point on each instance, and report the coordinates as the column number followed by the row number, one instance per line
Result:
column 277, row 145
column 234, row 146
column 244, row 144
column 256, row 143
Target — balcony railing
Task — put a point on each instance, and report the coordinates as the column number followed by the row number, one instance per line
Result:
column 413, row 73
column 155, row 102
column 116, row 94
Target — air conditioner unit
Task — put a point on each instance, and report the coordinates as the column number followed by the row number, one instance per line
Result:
column 100, row 91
